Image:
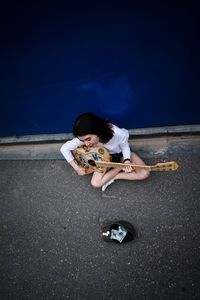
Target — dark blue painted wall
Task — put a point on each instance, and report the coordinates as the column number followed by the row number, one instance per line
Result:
column 135, row 63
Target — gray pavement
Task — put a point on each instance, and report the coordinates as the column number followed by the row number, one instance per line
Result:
column 51, row 245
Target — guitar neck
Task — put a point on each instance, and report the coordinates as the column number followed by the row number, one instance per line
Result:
column 120, row 165
column 158, row 167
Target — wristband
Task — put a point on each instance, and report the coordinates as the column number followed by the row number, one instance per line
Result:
column 127, row 159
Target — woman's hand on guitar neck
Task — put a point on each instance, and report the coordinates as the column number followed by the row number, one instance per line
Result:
column 128, row 169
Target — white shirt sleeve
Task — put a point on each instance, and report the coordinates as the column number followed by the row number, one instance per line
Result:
column 68, row 147
column 124, row 144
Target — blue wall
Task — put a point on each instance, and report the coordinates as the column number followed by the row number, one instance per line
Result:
column 135, row 64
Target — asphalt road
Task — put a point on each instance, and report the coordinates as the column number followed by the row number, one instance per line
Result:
column 51, row 245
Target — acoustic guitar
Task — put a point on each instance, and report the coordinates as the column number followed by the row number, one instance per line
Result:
column 98, row 159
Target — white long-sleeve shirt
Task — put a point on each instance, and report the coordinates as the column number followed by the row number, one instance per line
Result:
column 118, row 143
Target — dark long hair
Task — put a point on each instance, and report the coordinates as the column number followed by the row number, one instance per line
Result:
column 89, row 123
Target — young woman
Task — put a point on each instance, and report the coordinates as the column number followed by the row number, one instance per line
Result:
column 91, row 130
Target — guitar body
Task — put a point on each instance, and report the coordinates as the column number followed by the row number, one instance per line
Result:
column 84, row 154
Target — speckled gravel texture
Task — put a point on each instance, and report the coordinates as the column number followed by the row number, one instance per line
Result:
column 51, row 245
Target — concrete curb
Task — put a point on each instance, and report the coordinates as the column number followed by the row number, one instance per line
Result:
column 141, row 132
column 147, row 147
column 172, row 130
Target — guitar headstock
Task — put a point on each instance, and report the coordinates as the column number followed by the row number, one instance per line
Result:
column 168, row 166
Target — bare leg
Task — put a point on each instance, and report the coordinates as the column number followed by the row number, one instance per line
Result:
column 137, row 174
column 99, row 179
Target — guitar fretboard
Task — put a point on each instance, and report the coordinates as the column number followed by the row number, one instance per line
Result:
column 158, row 167
column 120, row 165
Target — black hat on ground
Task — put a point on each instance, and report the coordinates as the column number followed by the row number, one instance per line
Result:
column 117, row 231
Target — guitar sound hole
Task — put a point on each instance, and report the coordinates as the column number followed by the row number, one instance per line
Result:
column 91, row 163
